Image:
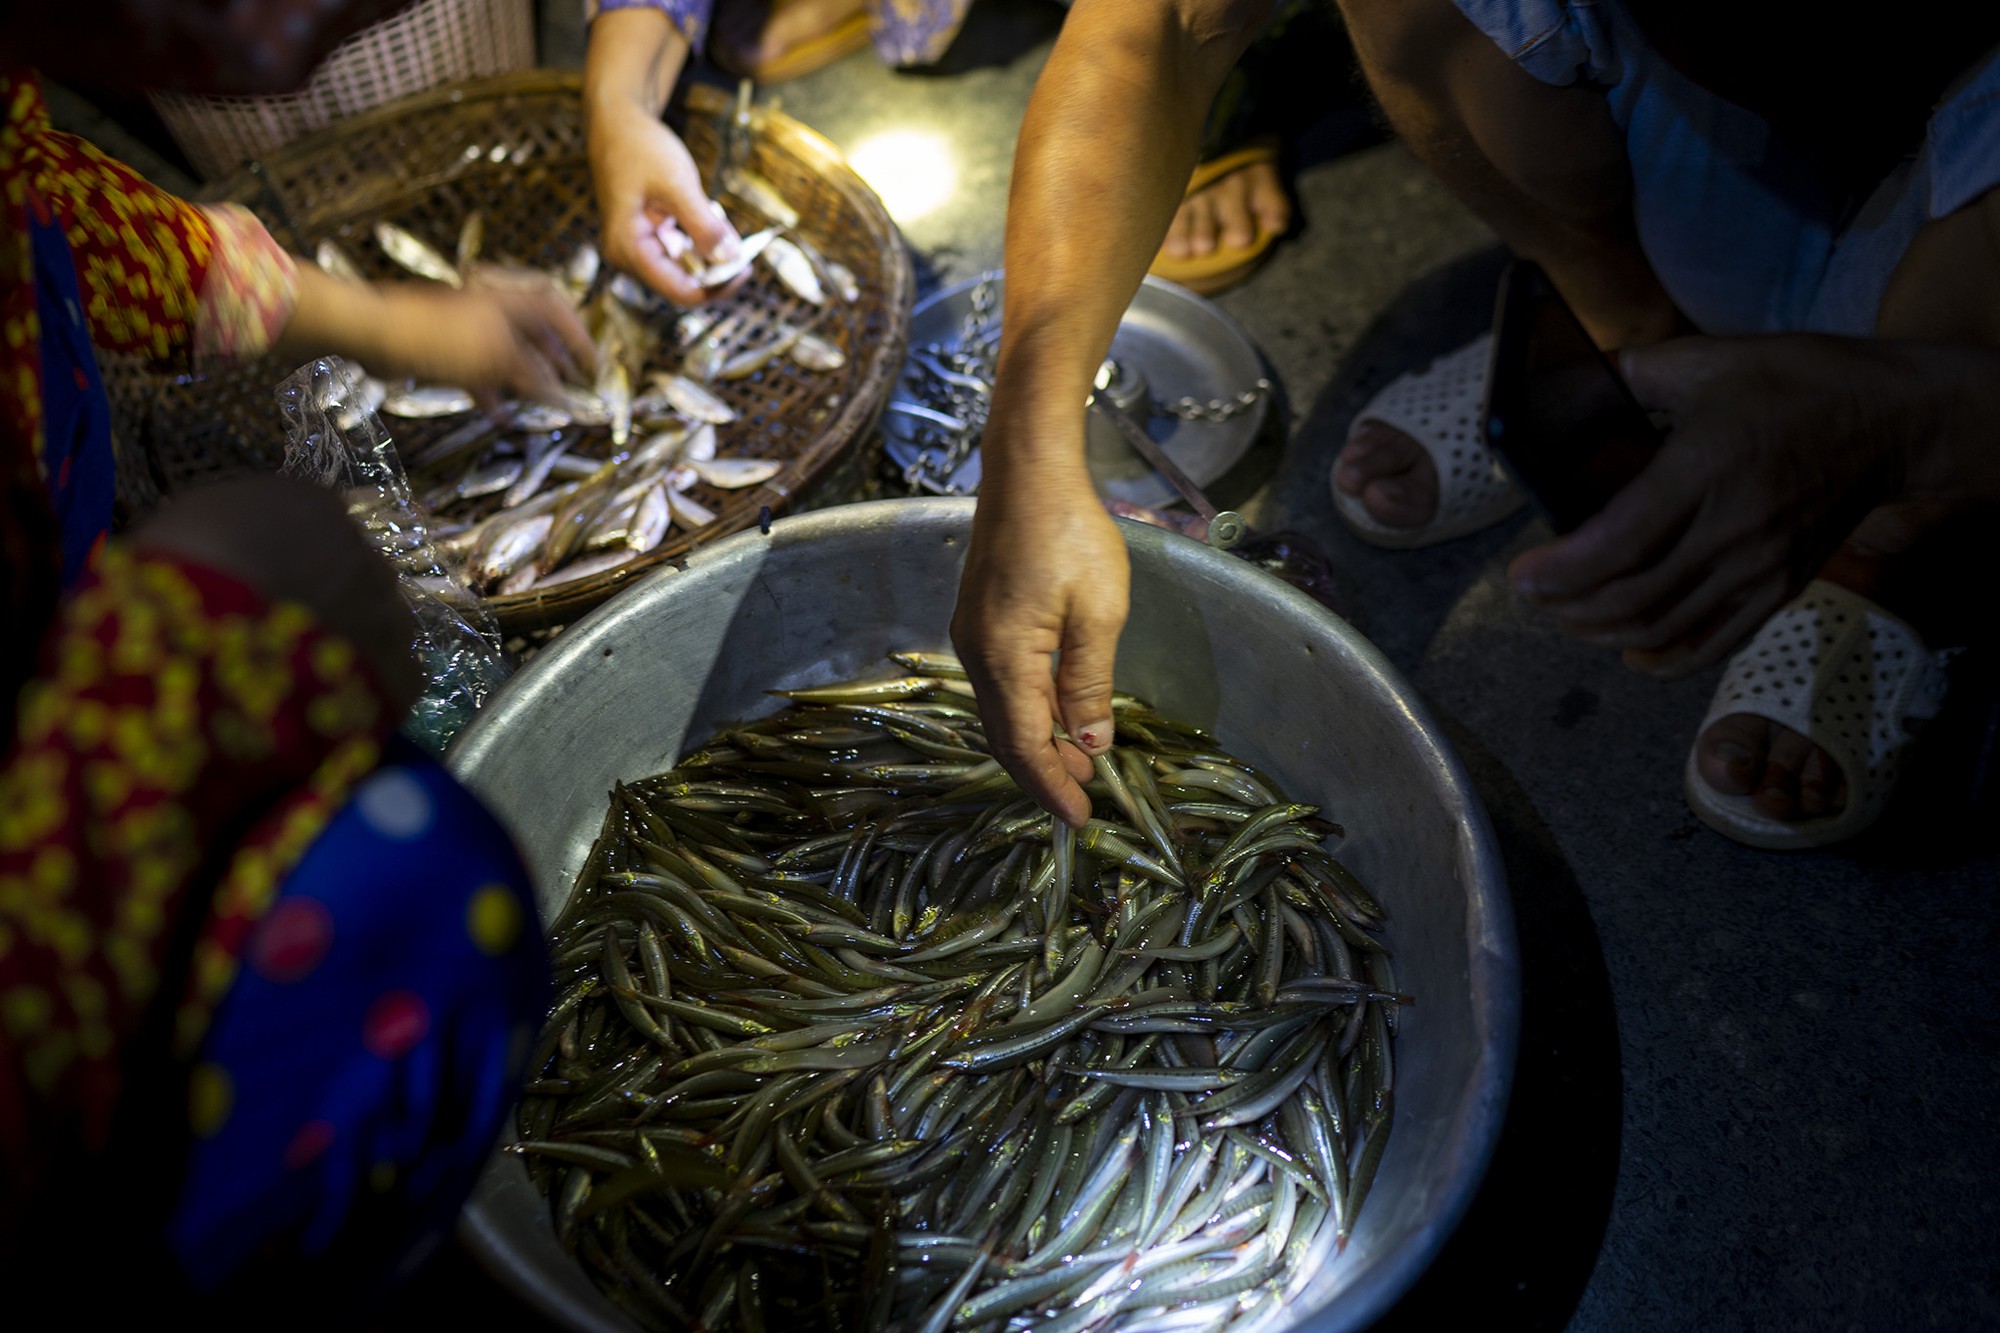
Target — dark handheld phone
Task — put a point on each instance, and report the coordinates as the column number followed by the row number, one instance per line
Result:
column 1557, row 414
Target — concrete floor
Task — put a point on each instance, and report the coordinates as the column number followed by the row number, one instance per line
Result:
column 1755, row 1090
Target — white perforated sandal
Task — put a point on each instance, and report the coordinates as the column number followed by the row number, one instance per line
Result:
column 1849, row 677
column 1438, row 407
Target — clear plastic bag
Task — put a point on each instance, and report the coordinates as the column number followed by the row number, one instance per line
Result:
column 334, row 439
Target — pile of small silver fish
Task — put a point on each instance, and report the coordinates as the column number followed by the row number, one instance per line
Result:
column 546, row 492
column 850, row 1034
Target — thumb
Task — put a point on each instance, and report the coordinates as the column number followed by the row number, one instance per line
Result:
column 706, row 225
column 1663, row 375
column 1083, row 684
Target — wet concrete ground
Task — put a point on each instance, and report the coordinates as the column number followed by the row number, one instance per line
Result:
column 1755, row 1090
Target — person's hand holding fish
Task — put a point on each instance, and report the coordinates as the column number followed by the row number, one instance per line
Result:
column 650, row 198
column 493, row 340
column 1046, row 573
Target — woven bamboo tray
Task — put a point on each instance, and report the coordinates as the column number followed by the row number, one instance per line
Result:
column 512, row 146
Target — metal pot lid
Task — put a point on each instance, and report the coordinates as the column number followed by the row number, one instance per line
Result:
column 1194, row 365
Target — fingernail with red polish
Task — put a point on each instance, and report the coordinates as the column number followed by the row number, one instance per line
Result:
column 1096, row 737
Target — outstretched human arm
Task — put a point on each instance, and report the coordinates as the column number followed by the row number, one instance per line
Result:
column 641, row 169
column 1104, row 156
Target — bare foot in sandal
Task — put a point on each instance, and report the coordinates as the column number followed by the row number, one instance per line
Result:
column 1390, row 474
column 1229, row 212
column 1895, row 559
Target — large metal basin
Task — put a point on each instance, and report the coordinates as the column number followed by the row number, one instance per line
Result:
column 1283, row 683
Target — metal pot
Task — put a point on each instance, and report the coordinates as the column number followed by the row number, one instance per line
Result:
column 1211, row 640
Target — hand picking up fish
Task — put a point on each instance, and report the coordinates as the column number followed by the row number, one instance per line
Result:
column 604, row 467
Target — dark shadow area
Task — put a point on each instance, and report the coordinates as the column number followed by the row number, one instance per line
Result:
column 1438, row 312
column 453, row 1291
column 1526, row 1248
column 1946, row 810
column 996, row 32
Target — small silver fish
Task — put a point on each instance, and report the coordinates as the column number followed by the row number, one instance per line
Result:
column 700, row 446
column 841, row 278
column 432, row 400
column 584, row 568
column 754, row 359
column 661, row 448
column 414, row 255
column 715, row 275
column 585, row 409
column 544, row 451
column 510, row 547
column 732, row 474
column 490, row 478
column 614, row 390
column 334, row 261
column 471, row 233
column 631, row 292
column 695, row 402
column 761, row 195
column 538, row 417
column 650, row 522
column 570, row 465
column 687, row 512
column 794, row 270
column 521, row 580
column 611, row 525
column 694, row 324
column 816, row 353
column 581, row 271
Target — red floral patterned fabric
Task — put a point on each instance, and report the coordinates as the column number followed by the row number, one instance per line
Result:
column 178, row 713
column 178, row 741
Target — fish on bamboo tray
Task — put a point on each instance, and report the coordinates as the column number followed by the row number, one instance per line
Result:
column 851, row 1034
column 713, row 418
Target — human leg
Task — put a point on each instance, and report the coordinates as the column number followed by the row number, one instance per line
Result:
column 1543, row 165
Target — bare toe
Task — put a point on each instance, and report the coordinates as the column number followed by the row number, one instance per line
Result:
column 1777, row 795
column 1267, row 197
column 1731, row 753
column 1232, row 212
column 1821, row 792
column 1200, row 213
column 1392, row 474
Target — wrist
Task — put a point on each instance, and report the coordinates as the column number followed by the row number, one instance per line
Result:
column 634, row 58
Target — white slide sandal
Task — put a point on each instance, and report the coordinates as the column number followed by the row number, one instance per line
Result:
column 1849, row 677
column 1439, row 407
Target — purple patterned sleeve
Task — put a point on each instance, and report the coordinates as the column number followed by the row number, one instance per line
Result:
column 689, row 16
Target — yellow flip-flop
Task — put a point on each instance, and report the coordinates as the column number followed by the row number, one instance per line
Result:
column 1224, row 266
column 802, row 58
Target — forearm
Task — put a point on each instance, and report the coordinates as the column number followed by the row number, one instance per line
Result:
column 335, row 317
column 1103, row 159
column 634, row 58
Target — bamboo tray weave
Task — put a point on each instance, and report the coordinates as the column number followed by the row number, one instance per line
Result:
column 512, row 146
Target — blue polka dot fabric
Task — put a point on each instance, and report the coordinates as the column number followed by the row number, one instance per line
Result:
column 365, row 1058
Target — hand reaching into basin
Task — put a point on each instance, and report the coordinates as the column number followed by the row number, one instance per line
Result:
column 1103, row 159
column 1047, row 573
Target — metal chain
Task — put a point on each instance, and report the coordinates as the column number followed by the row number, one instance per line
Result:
column 948, row 375
column 1189, row 408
